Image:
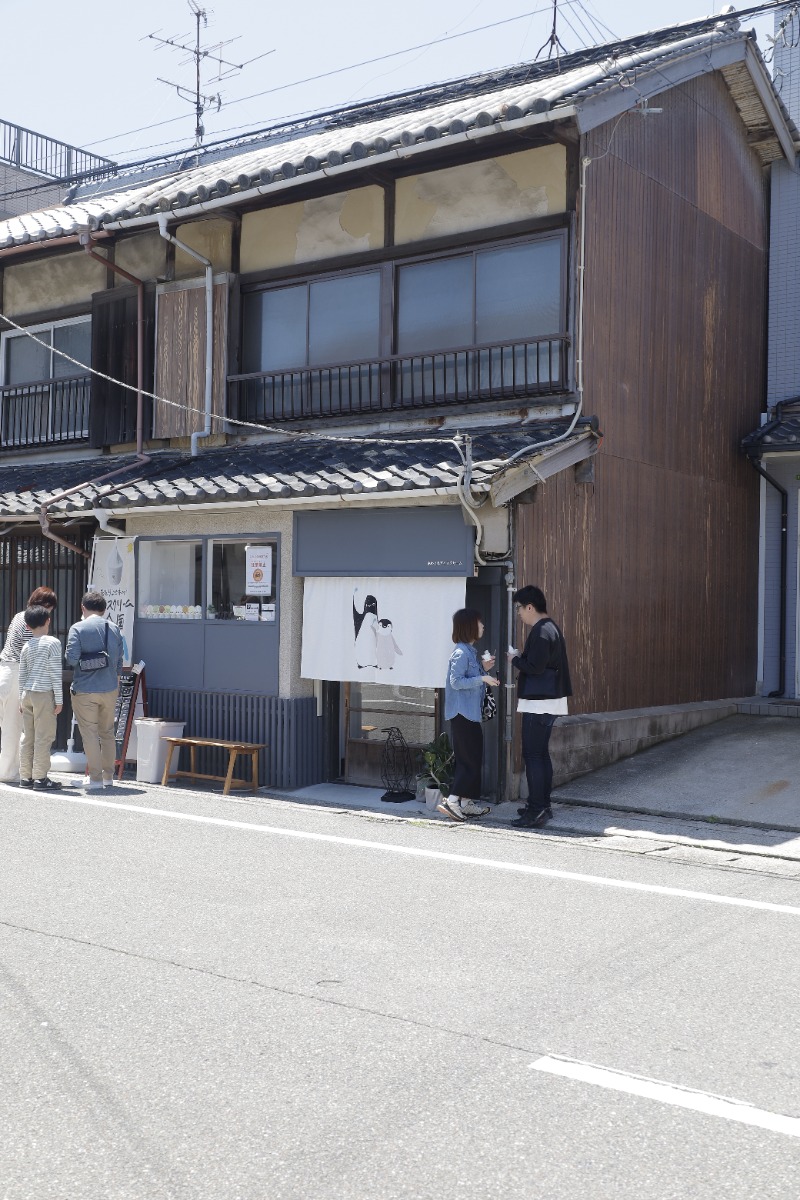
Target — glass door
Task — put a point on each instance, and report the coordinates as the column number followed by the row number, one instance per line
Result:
column 370, row 709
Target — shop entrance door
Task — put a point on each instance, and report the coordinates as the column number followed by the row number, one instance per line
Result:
column 369, row 710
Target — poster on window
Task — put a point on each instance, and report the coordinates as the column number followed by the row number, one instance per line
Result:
column 112, row 573
column 258, row 570
column 396, row 631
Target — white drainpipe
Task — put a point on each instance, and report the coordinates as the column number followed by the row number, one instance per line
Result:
column 169, row 237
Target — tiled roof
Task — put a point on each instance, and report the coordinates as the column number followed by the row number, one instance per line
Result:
column 279, row 471
column 782, row 433
column 290, row 154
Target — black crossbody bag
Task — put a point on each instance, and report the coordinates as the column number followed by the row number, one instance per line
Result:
column 98, row 659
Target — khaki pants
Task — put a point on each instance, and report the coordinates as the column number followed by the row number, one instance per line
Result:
column 10, row 721
column 38, row 734
column 94, row 712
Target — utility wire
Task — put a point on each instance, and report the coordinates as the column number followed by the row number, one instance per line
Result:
column 339, row 70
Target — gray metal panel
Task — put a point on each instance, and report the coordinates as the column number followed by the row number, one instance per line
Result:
column 241, row 656
column 291, row 729
column 383, row 541
column 172, row 651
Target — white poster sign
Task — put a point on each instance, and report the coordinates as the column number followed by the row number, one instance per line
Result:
column 112, row 572
column 258, row 570
column 396, row 631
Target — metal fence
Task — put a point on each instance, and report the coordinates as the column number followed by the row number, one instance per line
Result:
column 42, row 155
column 51, row 411
column 506, row 370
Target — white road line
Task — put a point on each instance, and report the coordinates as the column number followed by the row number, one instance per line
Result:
column 668, row 1093
column 440, row 855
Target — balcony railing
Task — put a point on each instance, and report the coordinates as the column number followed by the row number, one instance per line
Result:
column 44, row 413
column 472, row 374
column 42, row 155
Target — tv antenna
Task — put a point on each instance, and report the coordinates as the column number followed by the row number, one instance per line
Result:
column 201, row 56
column 554, row 44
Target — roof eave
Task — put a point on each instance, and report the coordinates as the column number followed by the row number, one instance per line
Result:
column 399, row 153
column 611, row 101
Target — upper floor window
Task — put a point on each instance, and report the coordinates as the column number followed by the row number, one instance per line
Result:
column 312, row 324
column 498, row 295
column 44, row 397
column 478, row 324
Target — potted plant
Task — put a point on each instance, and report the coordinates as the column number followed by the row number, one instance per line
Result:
column 437, row 776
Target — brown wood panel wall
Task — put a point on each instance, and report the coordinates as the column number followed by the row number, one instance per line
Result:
column 181, row 356
column 653, row 569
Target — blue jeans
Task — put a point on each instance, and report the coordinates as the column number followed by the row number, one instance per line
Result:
column 536, row 730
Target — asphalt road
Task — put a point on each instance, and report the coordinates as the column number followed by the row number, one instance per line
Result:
column 272, row 1001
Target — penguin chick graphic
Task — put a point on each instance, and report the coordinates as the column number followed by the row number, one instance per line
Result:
column 387, row 646
column 365, row 627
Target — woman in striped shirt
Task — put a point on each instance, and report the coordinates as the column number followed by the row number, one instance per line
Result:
column 10, row 718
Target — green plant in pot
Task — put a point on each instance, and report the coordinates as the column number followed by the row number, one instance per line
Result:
column 439, row 762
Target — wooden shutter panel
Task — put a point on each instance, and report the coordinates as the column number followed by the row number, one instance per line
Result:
column 181, row 359
column 114, row 348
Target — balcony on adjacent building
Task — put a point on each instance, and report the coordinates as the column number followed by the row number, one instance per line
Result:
column 48, row 412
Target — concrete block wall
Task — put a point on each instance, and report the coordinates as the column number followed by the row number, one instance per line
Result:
column 583, row 743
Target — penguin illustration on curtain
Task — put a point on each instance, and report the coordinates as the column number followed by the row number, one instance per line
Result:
column 388, row 648
column 365, row 626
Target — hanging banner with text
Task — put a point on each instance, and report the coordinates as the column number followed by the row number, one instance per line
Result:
column 112, row 573
column 258, row 561
column 385, row 630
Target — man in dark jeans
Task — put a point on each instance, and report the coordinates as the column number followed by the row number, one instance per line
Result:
column 542, row 688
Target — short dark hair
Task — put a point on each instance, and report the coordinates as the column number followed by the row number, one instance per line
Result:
column 94, row 602
column 36, row 616
column 531, row 595
column 465, row 625
column 42, row 596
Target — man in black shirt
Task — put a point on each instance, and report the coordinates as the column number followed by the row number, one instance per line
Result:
column 543, row 686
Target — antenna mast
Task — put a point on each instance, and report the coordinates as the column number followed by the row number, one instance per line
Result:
column 553, row 45
column 200, row 100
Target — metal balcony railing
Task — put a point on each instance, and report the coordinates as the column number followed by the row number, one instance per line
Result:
column 470, row 374
column 20, row 147
column 51, row 411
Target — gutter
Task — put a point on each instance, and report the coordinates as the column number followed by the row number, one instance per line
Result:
column 209, row 269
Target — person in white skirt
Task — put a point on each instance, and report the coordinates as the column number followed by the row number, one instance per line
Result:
column 10, row 717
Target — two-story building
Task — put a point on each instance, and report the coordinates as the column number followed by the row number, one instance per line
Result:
column 375, row 352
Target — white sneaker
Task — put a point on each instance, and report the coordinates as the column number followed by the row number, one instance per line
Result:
column 108, row 781
column 91, row 785
column 450, row 808
column 471, row 808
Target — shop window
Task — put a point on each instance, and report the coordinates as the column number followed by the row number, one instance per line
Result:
column 170, row 580
column 242, row 578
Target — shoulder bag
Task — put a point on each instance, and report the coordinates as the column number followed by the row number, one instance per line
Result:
column 97, row 659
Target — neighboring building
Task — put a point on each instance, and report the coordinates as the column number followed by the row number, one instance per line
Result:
column 775, row 446
column 426, row 309
column 37, row 171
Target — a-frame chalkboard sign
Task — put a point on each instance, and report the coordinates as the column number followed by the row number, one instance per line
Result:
column 132, row 688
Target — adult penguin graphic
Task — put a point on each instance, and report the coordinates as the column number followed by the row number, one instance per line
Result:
column 365, row 625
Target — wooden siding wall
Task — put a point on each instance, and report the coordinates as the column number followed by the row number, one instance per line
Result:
column 181, row 357
column 653, row 569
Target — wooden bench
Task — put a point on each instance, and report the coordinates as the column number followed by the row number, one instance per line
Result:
column 234, row 750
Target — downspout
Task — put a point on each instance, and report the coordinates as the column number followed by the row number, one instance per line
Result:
column 169, row 237
column 781, row 688
column 141, row 457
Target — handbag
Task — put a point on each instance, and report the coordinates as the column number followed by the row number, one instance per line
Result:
column 98, row 658
column 488, row 704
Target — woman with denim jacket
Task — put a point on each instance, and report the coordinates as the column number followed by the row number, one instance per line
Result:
column 464, row 689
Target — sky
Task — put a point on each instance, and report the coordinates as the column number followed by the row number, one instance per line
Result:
column 90, row 76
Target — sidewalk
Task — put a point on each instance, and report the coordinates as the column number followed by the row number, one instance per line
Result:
column 732, row 786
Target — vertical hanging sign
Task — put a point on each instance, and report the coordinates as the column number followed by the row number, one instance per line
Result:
column 112, row 573
column 258, row 570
